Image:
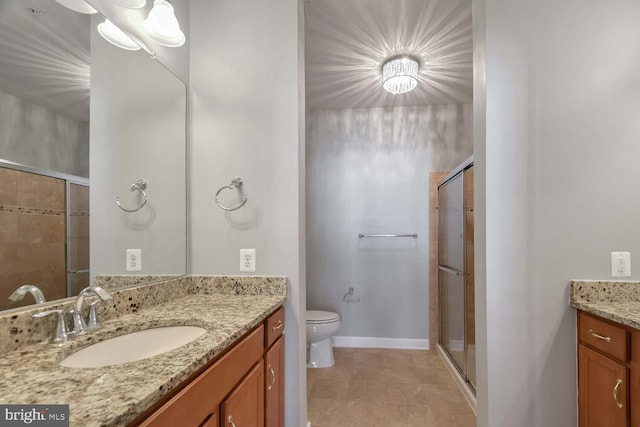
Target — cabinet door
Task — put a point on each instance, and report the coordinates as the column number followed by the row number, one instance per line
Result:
column 603, row 390
column 245, row 405
column 634, row 396
column 211, row 421
column 274, row 385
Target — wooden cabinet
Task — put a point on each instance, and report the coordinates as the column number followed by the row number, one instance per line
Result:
column 603, row 390
column 244, row 407
column 274, row 385
column 608, row 373
column 274, row 370
column 232, row 389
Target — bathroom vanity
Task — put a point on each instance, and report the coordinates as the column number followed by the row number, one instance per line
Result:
column 608, row 324
column 244, row 387
column 233, row 374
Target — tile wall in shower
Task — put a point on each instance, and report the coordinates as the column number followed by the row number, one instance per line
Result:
column 32, row 235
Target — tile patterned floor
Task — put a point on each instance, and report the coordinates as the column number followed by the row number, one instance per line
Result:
column 385, row 388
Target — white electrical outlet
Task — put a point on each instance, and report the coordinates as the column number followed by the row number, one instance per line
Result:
column 134, row 259
column 620, row 264
column 248, row 260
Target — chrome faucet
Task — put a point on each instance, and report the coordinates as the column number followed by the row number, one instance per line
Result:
column 62, row 333
column 19, row 293
column 79, row 324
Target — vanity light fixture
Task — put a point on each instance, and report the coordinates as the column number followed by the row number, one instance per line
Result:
column 116, row 36
column 80, row 6
column 162, row 25
column 130, row 4
column 400, row 74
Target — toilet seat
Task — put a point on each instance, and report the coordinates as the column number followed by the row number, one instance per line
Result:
column 315, row 317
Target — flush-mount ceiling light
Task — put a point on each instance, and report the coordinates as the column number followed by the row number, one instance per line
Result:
column 78, row 6
column 130, row 4
column 162, row 25
column 116, row 36
column 400, row 74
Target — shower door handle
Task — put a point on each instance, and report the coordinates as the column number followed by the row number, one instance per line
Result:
column 451, row 270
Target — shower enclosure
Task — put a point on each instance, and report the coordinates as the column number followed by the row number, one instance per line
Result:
column 455, row 269
column 44, row 239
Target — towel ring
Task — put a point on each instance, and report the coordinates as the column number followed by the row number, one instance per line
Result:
column 140, row 185
column 235, row 183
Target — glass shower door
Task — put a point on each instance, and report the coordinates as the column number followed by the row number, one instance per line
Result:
column 451, row 217
column 78, row 276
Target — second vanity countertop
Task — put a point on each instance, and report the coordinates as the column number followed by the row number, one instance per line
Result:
column 615, row 301
column 116, row 395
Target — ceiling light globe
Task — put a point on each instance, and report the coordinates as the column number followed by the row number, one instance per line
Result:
column 79, row 6
column 400, row 75
column 162, row 25
column 114, row 35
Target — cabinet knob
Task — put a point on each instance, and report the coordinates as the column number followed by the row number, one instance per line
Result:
column 615, row 393
column 230, row 419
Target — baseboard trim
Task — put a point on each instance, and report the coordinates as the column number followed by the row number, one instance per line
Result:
column 374, row 342
column 460, row 382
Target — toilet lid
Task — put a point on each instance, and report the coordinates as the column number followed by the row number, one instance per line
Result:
column 314, row 316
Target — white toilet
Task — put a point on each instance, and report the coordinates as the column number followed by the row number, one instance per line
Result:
column 321, row 325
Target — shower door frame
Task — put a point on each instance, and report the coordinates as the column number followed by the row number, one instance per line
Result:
column 455, row 173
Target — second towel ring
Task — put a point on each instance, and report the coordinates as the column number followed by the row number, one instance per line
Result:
column 140, row 185
column 235, row 183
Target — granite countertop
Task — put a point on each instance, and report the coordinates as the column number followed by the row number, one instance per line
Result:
column 616, row 301
column 115, row 395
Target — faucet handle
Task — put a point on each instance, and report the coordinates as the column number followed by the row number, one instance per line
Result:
column 62, row 334
column 79, row 324
column 94, row 325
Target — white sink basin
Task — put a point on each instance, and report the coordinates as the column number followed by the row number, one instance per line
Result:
column 134, row 346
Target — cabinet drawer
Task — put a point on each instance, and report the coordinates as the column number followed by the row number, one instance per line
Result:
column 275, row 326
column 200, row 398
column 609, row 338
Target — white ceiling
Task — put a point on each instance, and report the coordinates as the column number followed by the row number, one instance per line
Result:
column 346, row 42
column 46, row 59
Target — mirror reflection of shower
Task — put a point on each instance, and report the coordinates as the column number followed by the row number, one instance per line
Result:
column 46, row 234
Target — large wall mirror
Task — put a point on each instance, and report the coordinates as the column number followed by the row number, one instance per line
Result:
column 81, row 122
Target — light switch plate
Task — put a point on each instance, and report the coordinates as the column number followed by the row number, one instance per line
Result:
column 248, row 260
column 134, row 260
column 620, row 264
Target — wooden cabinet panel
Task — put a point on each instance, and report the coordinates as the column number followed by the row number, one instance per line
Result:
column 600, row 380
column 634, row 380
column 274, row 327
column 274, row 385
column 245, row 405
column 607, row 337
column 211, row 421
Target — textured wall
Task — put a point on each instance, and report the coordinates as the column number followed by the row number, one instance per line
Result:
column 37, row 137
column 368, row 172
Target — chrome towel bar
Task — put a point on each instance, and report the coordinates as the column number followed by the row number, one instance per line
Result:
column 361, row 236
